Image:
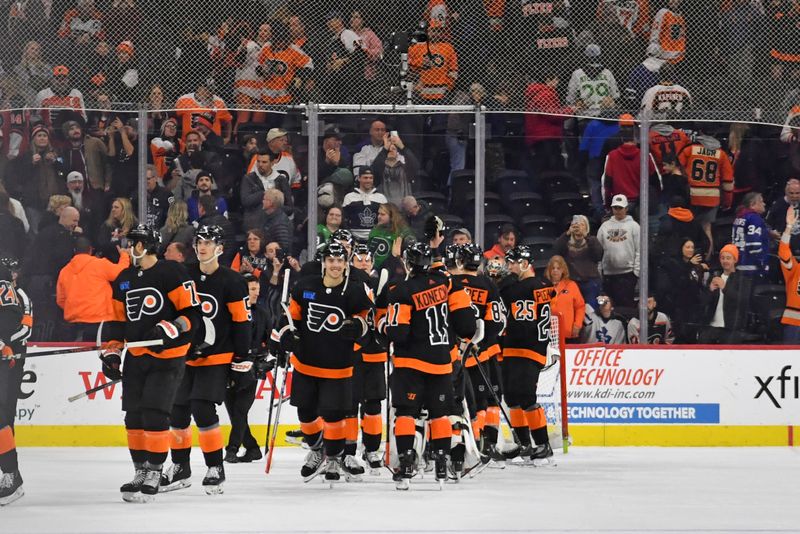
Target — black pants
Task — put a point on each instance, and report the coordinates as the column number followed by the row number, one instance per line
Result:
column 10, row 379
column 238, row 404
column 621, row 288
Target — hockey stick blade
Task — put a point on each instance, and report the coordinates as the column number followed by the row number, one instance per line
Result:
column 95, row 389
column 78, row 350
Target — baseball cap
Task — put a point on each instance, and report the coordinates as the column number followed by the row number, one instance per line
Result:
column 463, row 231
column 60, row 70
column 620, row 201
column 125, row 46
column 593, row 50
column 626, row 119
column 365, row 170
column 275, row 133
column 332, row 132
column 74, row 176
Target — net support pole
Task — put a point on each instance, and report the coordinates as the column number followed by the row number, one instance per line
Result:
column 141, row 157
column 480, row 173
column 313, row 176
column 644, row 229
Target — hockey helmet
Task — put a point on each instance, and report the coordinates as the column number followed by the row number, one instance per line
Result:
column 471, row 256
column 147, row 236
column 10, row 263
column 418, row 258
column 342, row 235
column 361, row 250
column 452, row 253
column 5, row 274
column 520, row 253
column 209, row 233
column 334, row 250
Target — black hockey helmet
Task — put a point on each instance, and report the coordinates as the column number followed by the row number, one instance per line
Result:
column 471, row 256
column 418, row 258
column 452, row 254
column 5, row 274
column 334, row 250
column 342, row 235
column 362, row 249
column 146, row 235
column 519, row 253
column 213, row 233
column 9, row 262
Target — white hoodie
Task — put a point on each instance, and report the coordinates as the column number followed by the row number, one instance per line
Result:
column 620, row 241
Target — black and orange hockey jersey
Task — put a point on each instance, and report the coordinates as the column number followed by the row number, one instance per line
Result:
column 486, row 299
column 530, row 304
column 11, row 312
column 422, row 311
column 667, row 144
column 143, row 298
column 318, row 313
column 791, row 275
column 669, row 32
column 280, row 69
column 710, row 174
column 223, row 301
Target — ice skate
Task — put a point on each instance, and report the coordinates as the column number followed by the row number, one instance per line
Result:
column 374, row 460
column 178, row 476
column 150, row 486
column 352, row 469
column 295, row 437
column 214, row 480
column 133, row 487
column 230, row 456
column 406, row 471
column 497, row 459
column 542, row 456
column 10, row 488
column 440, row 467
column 523, row 459
column 312, row 466
column 333, row 470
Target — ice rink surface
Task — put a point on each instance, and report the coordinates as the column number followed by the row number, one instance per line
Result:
column 591, row 490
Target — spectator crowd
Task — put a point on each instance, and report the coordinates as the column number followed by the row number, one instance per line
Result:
column 564, row 177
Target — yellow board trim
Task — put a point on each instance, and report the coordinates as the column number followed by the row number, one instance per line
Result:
column 581, row 435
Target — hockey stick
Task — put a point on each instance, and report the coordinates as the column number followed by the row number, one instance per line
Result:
column 277, row 420
column 285, row 307
column 93, row 390
column 77, row 350
column 269, row 413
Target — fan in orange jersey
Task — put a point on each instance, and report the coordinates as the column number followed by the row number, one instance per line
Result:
column 203, row 103
column 791, row 274
column 283, row 67
column 665, row 140
column 669, row 32
column 436, row 62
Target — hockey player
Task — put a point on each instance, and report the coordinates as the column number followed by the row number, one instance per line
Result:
column 659, row 329
column 369, row 385
column 11, row 321
column 421, row 312
column 223, row 348
column 152, row 300
column 328, row 314
column 486, row 299
column 529, row 302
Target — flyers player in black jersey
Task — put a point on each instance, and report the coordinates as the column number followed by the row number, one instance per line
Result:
column 152, row 300
column 369, row 383
column 485, row 298
column 529, row 303
column 422, row 310
column 223, row 349
column 11, row 320
column 327, row 316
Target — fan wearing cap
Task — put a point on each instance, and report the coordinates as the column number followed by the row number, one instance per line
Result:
column 328, row 315
column 619, row 237
column 87, row 155
column 204, row 187
column 730, row 300
column 35, row 175
column 334, row 160
column 602, row 325
column 58, row 97
column 278, row 144
column 621, row 174
column 593, row 85
column 424, row 312
column 219, row 356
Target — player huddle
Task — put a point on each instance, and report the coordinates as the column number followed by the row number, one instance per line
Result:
column 440, row 341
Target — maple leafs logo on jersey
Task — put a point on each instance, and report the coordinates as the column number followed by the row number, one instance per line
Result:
column 324, row 317
column 208, row 305
column 142, row 301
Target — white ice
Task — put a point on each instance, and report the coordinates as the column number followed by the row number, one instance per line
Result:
column 591, row 489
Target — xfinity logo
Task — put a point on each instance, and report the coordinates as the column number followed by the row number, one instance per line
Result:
column 793, row 387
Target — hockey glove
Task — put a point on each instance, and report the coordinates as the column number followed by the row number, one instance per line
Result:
column 112, row 361
column 290, row 342
column 6, row 352
column 242, row 374
column 168, row 332
column 262, row 366
column 353, row 328
column 552, row 355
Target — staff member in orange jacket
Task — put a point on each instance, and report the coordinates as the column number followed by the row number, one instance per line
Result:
column 84, row 290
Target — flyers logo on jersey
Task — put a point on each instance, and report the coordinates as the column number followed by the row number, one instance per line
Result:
column 324, row 317
column 208, row 305
column 143, row 301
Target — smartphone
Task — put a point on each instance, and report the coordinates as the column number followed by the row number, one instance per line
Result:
column 393, row 133
column 123, row 242
column 576, row 219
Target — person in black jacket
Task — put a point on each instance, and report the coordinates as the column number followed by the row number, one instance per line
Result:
column 12, row 238
column 727, row 307
column 277, row 226
column 677, row 224
column 681, row 292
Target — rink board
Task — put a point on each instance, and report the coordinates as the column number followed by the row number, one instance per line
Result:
column 617, row 396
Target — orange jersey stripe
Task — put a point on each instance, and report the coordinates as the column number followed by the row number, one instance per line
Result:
column 524, row 353
column 320, row 372
column 422, row 366
column 239, row 312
